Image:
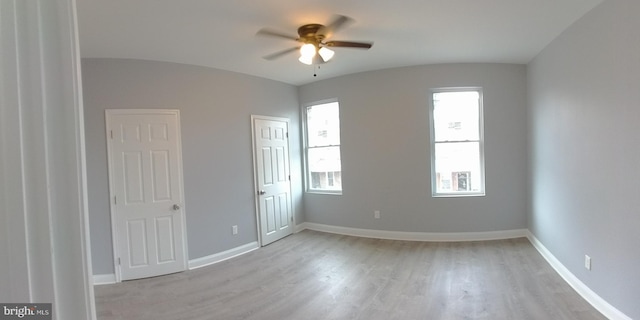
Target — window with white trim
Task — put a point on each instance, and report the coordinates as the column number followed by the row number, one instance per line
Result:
column 457, row 142
column 322, row 148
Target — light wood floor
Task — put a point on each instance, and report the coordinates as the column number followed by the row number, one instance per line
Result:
column 314, row 275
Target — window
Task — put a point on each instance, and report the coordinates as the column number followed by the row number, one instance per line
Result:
column 457, row 146
column 323, row 166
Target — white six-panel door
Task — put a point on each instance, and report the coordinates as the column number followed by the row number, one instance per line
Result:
column 271, row 158
column 145, row 178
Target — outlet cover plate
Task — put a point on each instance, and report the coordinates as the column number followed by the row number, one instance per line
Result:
column 587, row 262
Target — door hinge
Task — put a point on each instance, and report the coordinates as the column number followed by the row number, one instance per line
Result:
column 115, row 200
column 118, row 261
column 287, row 134
column 289, row 177
column 111, row 134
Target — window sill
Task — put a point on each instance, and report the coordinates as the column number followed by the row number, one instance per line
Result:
column 325, row 192
column 457, row 195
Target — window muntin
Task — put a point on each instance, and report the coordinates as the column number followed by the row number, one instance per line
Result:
column 457, row 142
column 323, row 163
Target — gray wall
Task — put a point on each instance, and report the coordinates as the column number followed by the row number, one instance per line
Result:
column 584, row 111
column 215, row 108
column 386, row 153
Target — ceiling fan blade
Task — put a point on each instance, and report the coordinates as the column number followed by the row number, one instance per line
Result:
column 274, row 33
column 349, row 44
column 338, row 22
column 279, row 54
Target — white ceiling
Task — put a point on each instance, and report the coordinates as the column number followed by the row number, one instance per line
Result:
column 221, row 34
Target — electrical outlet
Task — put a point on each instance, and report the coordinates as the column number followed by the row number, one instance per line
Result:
column 587, row 262
column 234, row 230
column 376, row 214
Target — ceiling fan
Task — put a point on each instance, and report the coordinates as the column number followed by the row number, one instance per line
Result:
column 314, row 47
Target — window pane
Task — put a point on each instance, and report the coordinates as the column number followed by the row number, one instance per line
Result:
column 323, row 125
column 457, row 167
column 324, row 168
column 456, row 116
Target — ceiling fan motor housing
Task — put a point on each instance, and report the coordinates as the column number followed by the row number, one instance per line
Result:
column 308, row 33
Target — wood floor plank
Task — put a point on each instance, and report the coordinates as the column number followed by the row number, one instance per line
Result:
column 315, row 275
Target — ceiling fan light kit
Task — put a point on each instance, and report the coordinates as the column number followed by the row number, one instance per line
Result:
column 312, row 37
column 326, row 54
column 308, row 52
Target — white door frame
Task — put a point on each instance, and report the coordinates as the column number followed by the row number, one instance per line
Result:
column 255, row 173
column 112, row 211
column 44, row 221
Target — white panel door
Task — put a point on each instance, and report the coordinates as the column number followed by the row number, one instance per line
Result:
column 271, row 157
column 145, row 178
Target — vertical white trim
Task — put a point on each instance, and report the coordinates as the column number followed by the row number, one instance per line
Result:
column 14, row 275
column 44, row 158
column 112, row 201
column 255, row 178
column 83, row 202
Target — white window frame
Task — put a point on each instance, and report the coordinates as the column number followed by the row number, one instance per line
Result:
column 434, row 189
column 307, row 173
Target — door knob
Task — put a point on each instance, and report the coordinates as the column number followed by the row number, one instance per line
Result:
column 262, row 192
column 176, row 207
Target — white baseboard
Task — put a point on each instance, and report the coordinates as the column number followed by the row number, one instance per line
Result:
column 99, row 279
column 222, row 256
column 595, row 300
column 415, row 236
column 300, row 227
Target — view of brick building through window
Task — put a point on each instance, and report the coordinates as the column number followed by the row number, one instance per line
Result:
column 324, row 172
column 457, row 142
